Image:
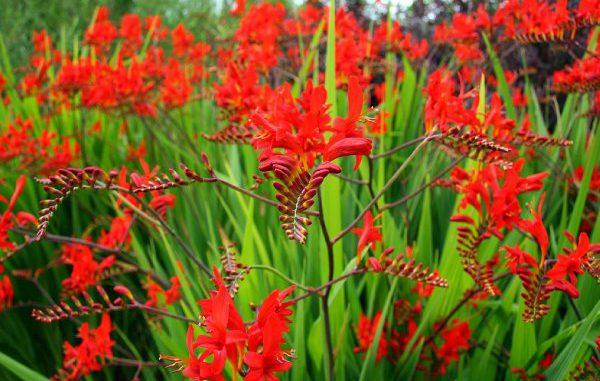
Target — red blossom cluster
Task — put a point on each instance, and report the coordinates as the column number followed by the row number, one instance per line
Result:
column 541, row 19
column 158, row 296
column 228, row 338
column 455, row 339
column 297, row 139
column 582, row 76
column 368, row 235
column 127, row 84
column 525, row 21
column 41, row 153
column 297, row 127
column 399, row 332
column 91, row 354
column 463, row 34
column 494, row 195
column 483, row 133
column 258, row 35
column 7, row 293
column 86, row 271
column 538, row 282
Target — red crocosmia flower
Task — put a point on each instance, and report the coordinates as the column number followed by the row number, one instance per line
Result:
column 456, row 339
column 102, row 32
column 348, row 147
column 7, row 293
column 258, row 34
column 365, row 333
column 118, row 235
column 368, row 234
column 91, row 354
column 275, row 305
column 131, row 32
column 238, row 8
column 6, row 222
column 537, row 229
column 162, row 203
column 547, row 360
column 176, row 88
column 182, row 40
column 517, row 258
column 41, row 41
column 271, row 359
column 505, row 209
column 225, row 338
column 85, row 270
column 168, row 297
column 563, row 275
column 298, row 127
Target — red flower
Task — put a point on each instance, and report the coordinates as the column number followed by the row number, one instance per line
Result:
column 170, row 296
column 131, row 32
column 91, row 354
column 517, row 258
column 162, row 203
column 456, row 338
column 118, row 235
column 85, row 270
column 6, row 218
column 225, row 338
column 182, row 40
column 7, row 293
column 563, row 275
column 299, row 126
column 102, row 32
column 537, row 229
column 368, row 234
column 271, row 358
column 365, row 332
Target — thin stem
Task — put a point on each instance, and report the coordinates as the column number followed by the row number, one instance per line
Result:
column 254, row 195
column 351, row 180
column 158, row 311
column 318, row 290
column 325, row 296
column 133, row 362
column 280, row 274
column 381, row 192
column 187, row 250
column 370, row 182
column 404, row 145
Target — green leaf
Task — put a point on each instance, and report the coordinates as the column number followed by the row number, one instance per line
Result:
column 20, row 370
column 559, row 368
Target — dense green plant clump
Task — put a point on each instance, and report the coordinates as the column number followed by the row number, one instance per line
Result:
column 303, row 193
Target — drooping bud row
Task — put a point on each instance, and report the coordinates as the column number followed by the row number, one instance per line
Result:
column 88, row 305
column 233, row 271
column 401, row 267
column 296, row 191
column 63, row 183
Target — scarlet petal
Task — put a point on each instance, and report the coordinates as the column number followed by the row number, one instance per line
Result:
column 462, row 218
column 348, row 147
